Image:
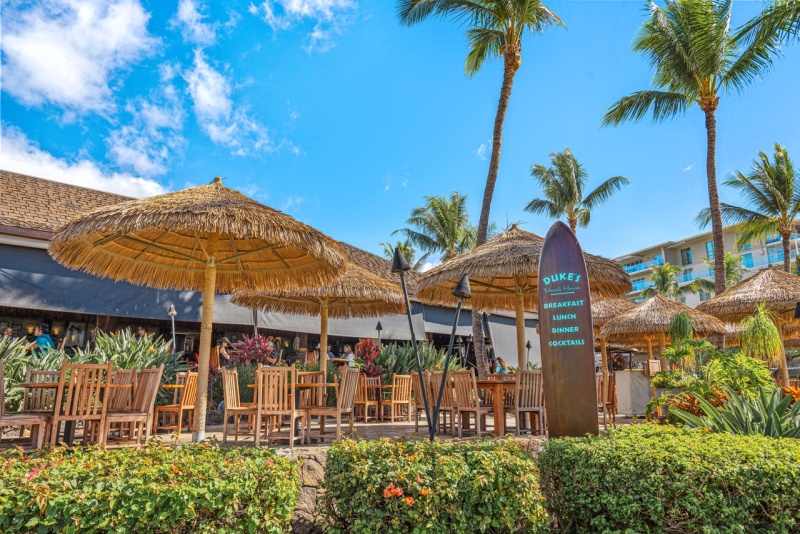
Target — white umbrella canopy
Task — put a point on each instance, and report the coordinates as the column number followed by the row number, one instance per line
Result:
column 209, row 238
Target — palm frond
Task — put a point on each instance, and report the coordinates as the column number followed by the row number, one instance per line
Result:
column 665, row 105
column 604, row 191
column 541, row 206
column 484, row 43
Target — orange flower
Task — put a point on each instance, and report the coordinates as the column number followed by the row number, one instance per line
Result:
column 409, row 500
column 175, row 470
column 388, row 491
column 424, row 492
column 398, row 492
column 269, row 461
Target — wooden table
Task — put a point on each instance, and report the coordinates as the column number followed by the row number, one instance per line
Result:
column 497, row 387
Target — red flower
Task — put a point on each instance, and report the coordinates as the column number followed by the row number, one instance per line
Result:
column 388, row 491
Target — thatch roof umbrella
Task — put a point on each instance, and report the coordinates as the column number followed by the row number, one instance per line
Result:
column 651, row 320
column 356, row 293
column 778, row 290
column 208, row 238
column 503, row 274
column 603, row 310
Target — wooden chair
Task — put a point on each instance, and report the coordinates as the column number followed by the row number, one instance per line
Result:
column 121, row 398
column 233, row 404
column 448, row 406
column 345, row 404
column 416, row 395
column 468, row 401
column 39, row 401
column 606, row 398
column 276, row 396
column 134, row 421
column 81, row 389
column 400, row 396
column 36, row 422
column 529, row 401
column 368, row 394
column 186, row 404
column 794, row 383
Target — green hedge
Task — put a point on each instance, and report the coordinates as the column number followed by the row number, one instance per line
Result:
column 195, row 488
column 650, row 478
column 419, row 486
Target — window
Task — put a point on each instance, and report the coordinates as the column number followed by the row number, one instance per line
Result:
column 686, row 256
column 710, row 250
column 638, row 284
column 747, row 260
column 704, row 296
column 743, row 247
column 658, row 259
column 688, row 275
column 682, row 299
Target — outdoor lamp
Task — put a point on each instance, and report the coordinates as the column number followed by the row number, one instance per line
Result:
column 172, row 313
column 461, row 292
column 400, row 265
column 528, row 353
column 379, row 328
column 797, row 311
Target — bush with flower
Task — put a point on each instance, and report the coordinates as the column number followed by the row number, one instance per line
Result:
column 160, row 489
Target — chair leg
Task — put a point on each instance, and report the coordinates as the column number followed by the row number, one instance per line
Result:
column 225, row 426
column 39, row 438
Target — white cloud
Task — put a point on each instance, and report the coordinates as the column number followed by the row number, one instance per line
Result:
column 329, row 18
column 481, row 152
column 428, row 265
column 192, row 24
column 225, row 123
column 20, row 155
column 689, row 167
column 65, row 52
column 292, row 202
column 148, row 143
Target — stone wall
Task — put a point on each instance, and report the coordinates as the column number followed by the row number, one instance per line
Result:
column 307, row 518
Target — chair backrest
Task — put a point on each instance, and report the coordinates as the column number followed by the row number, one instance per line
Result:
column 147, row 389
column 230, row 388
column 653, row 367
column 180, row 378
column 401, row 388
column 416, row 387
column 373, row 388
column 312, row 396
column 121, row 398
column 189, row 391
column 347, row 390
column 794, row 383
column 361, row 389
column 530, row 390
column 435, row 383
column 466, row 389
column 81, row 388
column 611, row 389
column 275, row 389
column 40, row 399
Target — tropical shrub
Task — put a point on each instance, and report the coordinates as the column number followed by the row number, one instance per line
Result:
column 656, row 478
column 422, row 486
column 160, row 489
column 768, row 414
column 738, row 372
column 397, row 359
column 367, row 352
column 252, row 350
column 246, row 375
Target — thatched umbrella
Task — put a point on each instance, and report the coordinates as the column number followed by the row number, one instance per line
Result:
column 503, row 273
column 208, row 238
column 356, row 293
column 778, row 290
column 603, row 310
column 651, row 320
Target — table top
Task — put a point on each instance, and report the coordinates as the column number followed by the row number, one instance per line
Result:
column 54, row 385
column 172, row 386
column 305, row 385
column 492, row 382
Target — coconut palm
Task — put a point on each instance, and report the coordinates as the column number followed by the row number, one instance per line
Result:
column 697, row 60
column 772, row 189
column 495, row 30
column 563, row 184
column 734, row 272
column 442, row 226
column 781, row 17
column 408, row 252
column 664, row 281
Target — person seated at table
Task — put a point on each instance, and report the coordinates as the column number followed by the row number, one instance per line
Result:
column 222, row 355
column 349, row 356
column 501, row 368
column 8, row 333
column 43, row 341
column 271, row 358
column 331, row 355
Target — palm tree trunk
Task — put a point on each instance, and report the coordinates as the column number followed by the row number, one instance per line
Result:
column 787, row 252
column 491, row 179
column 713, row 201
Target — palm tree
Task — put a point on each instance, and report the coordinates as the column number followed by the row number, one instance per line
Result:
column 441, row 226
column 563, row 184
column 697, row 59
column 772, row 189
column 664, row 280
column 734, row 272
column 408, row 252
column 782, row 17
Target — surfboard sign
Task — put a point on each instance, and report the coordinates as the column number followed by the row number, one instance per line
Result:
column 566, row 336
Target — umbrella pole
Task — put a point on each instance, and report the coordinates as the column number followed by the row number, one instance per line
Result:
column 662, row 345
column 206, row 320
column 784, row 365
column 323, row 338
column 520, row 329
column 603, row 355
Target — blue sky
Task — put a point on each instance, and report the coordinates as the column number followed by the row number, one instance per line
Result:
column 334, row 113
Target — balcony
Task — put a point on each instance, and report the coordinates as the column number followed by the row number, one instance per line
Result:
column 776, row 238
column 642, row 266
column 765, row 261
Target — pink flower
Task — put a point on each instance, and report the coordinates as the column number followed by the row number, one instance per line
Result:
column 32, row 473
column 269, row 462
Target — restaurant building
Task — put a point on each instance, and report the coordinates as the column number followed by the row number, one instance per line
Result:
column 35, row 289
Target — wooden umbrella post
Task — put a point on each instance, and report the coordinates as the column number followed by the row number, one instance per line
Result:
column 520, row 305
column 784, row 365
column 662, row 345
column 604, row 356
column 206, row 323
column 323, row 337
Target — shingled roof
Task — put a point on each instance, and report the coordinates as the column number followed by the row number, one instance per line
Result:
column 36, row 207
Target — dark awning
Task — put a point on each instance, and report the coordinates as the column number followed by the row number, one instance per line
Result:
column 503, row 333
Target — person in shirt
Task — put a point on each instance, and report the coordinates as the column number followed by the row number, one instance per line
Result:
column 348, row 354
column 8, row 333
column 43, row 342
column 331, row 355
column 501, row 368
